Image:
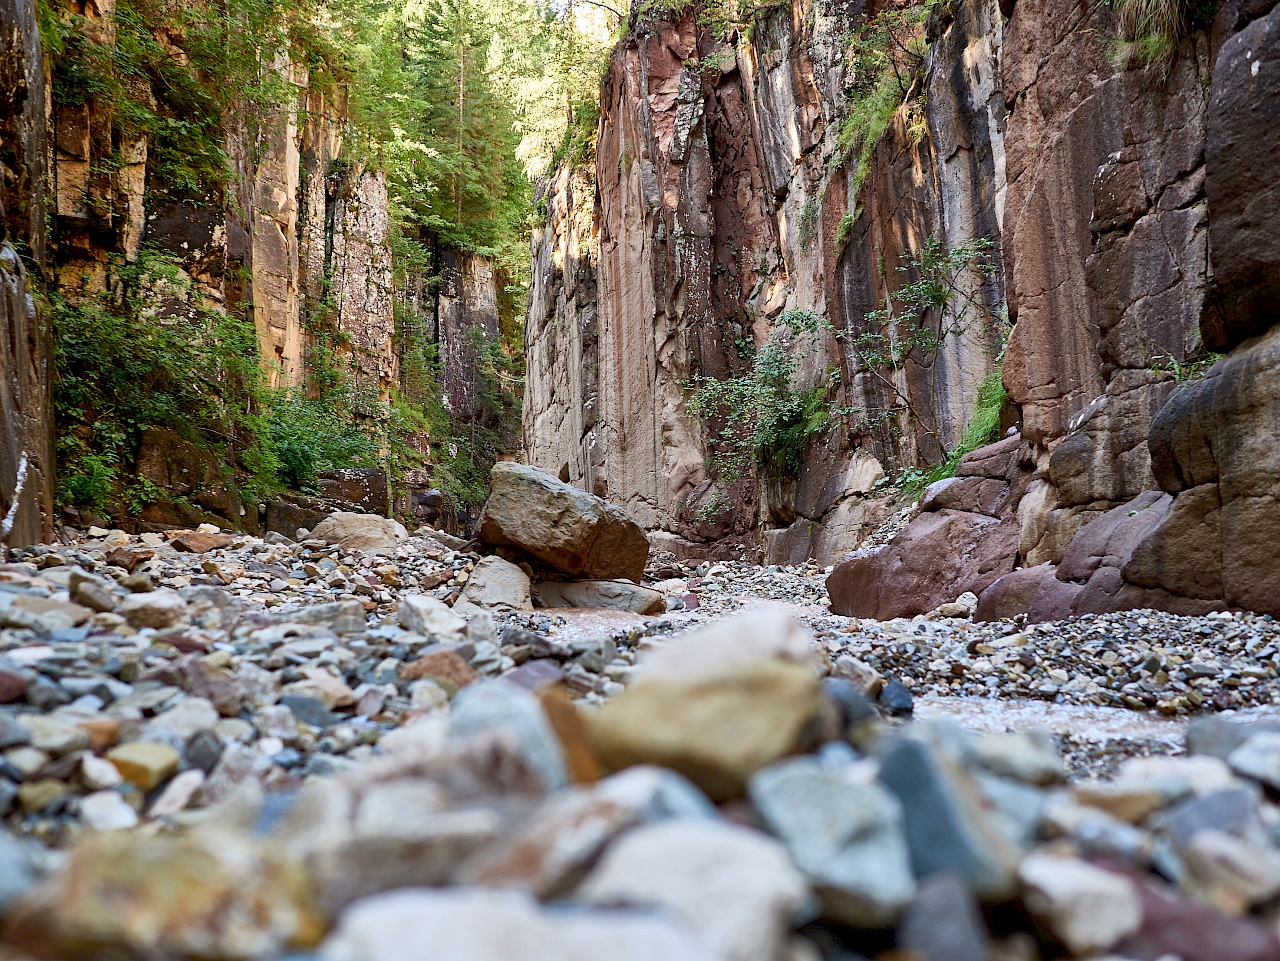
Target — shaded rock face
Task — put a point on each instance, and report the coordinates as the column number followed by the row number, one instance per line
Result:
column 26, row 375
column 466, row 314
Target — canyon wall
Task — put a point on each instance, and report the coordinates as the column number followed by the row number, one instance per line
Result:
column 720, row 204
column 1132, row 233
column 26, row 378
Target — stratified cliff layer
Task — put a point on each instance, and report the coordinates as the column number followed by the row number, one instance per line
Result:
column 1129, row 232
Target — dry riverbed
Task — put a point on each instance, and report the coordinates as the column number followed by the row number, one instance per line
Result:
column 319, row 718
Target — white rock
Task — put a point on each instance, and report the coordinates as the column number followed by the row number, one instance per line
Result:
column 734, row 888
column 424, row 614
column 494, row 583
column 477, row 924
column 98, row 773
column 361, row 532
column 1087, row 908
column 107, row 811
column 190, row 716
column 177, row 794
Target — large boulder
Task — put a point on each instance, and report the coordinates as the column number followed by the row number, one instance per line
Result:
column 1213, row 446
column 932, row 561
column 361, row 532
column 573, row 531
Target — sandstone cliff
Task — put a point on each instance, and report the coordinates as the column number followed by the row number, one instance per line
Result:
column 721, row 204
column 1133, row 234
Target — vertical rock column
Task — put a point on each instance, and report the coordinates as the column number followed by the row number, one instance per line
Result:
column 26, row 365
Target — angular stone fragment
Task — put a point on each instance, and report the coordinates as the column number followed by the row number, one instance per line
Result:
column 553, row 848
column 1259, row 758
column 573, row 531
column 145, row 763
column 107, row 811
column 169, row 896
column 844, row 832
column 943, row 923
column 1087, row 908
column 947, row 826
column 200, row 542
column 442, row 665
column 717, row 728
column 494, row 583
column 158, row 609
column 498, row 708
column 428, row 615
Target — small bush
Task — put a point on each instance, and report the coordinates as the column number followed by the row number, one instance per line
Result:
column 763, row 421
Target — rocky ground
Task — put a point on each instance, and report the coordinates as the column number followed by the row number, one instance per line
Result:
column 364, row 711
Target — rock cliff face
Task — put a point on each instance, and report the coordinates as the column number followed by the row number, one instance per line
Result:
column 26, row 403
column 719, row 205
column 1134, row 231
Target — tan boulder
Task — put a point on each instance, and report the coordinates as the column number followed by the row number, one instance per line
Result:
column 612, row 595
column 573, row 531
column 361, row 532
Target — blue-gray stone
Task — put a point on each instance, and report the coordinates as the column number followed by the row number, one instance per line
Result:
column 945, row 826
column 841, row 830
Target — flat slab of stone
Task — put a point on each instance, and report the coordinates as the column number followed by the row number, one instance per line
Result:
column 611, row 595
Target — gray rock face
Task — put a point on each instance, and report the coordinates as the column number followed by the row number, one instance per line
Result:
column 1243, row 137
column 1210, row 447
column 575, row 532
column 26, row 348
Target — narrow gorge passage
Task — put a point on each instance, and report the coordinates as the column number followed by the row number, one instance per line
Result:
column 695, row 481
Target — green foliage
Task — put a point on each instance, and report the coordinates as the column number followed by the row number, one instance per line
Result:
column 983, row 428
column 124, row 367
column 182, row 106
column 882, row 59
column 1150, row 29
column 762, row 419
column 305, row 437
column 150, row 354
column 464, row 445
column 1189, row 370
column 845, row 228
